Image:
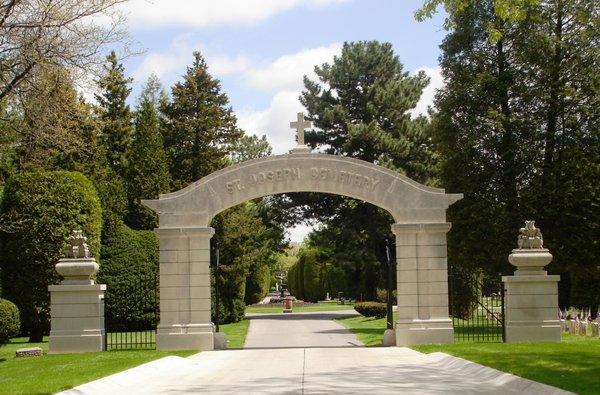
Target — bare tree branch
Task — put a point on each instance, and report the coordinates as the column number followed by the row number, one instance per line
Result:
column 70, row 33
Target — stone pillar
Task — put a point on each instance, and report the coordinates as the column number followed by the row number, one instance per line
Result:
column 77, row 303
column 185, row 305
column 531, row 295
column 422, row 284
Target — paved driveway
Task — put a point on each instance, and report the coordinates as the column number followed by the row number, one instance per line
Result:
column 299, row 330
column 320, row 357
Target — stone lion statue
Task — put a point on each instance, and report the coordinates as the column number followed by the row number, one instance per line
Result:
column 530, row 237
column 76, row 246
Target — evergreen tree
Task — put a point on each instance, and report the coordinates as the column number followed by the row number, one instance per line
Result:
column 200, row 127
column 116, row 115
column 250, row 147
column 518, row 130
column 360, row 105
column 147, row 173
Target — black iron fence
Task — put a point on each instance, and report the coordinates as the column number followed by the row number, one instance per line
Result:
column 476, row 307
column 131, row 316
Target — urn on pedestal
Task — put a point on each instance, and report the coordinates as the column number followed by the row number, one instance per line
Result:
column 530, row 257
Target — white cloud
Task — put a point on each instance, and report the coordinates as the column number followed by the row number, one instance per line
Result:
column 274, row 121
column 287, row 71
column 145, row 14
column 436, row 82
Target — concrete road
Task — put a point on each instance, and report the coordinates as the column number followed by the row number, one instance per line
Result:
column 346, row 370
column 291, row 330
column 321, row 357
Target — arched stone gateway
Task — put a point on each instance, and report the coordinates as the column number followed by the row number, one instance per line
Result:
column 420, row 228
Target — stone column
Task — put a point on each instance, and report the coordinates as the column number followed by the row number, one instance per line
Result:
column 531, row 295
column 422, row 277
column 77, row 303
column 185, row 304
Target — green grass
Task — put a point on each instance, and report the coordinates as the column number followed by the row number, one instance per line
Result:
column 52, row 373
column 573, row 364
column 321, row 306
column 236, row 333
column 368, row 330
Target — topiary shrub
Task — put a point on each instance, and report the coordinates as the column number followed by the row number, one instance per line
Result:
column 128, row 257
column 9, row 321
column 371, row 309
column 38, row 211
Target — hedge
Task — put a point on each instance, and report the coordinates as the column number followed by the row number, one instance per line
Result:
column 9, row 321
column 128, row 264
column 371, row 309
column 40, row 210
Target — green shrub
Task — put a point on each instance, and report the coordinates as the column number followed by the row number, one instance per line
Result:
column 39, row 211
column 128, row 257
column 382, row 295
column 371, row 309
column 9, row 321
column 257, row 283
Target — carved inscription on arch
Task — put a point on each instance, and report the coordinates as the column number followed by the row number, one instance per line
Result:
column 287, row 174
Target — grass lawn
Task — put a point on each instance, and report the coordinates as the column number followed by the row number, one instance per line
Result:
column 236, row 333
column 367, row 330
column 573, row 364
column 321, row 306
column 51, row 373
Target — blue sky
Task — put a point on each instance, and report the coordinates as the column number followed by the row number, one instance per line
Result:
column 260, row 49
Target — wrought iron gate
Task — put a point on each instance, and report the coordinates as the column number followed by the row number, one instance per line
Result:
column 476, row 308
column 131, row 317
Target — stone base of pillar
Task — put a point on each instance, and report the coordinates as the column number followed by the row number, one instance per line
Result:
column 415, row 331
column 77, row 318
column 531, row 305
column 185, row 337
column 68, row 342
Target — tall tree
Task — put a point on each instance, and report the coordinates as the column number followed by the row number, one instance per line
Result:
column 200, row 126
column 116, row 115
column 250, row 147
column 518, row 130
column 360, row 105
column 147, row 172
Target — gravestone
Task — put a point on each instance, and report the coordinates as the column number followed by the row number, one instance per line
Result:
column 595, row 329
column 583, row 328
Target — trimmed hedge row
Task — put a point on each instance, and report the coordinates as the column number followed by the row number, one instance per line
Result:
column 39, row 211
column 127, row 257
column 371, row 309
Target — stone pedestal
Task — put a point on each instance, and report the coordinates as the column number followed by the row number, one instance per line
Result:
column 531, row 299
column 422, row 284
column 77, row 318
column 185, row 305
column 76, row 304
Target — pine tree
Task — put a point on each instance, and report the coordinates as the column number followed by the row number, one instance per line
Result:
column 116, row 115
column 518, row 130
column 360, row 105
column 147, row 172
column 200, row 127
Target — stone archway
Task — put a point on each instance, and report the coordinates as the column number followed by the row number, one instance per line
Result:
column 420, row 228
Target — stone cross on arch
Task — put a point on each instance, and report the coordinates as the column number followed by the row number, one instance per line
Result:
column 300, row 124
